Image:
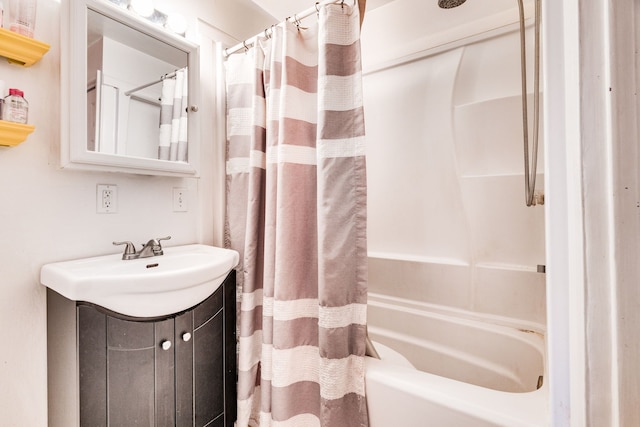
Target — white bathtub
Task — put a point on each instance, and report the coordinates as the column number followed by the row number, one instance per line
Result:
column 444, row 367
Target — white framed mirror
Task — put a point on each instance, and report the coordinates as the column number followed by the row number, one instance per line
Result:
column 129, row 93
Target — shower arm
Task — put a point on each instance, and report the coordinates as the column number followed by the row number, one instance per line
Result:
column 530, row 167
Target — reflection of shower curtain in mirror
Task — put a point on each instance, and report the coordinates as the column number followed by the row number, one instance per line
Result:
column 296, row 212
column 172, row 144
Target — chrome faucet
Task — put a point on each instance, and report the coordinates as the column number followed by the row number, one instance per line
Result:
column 150, row 249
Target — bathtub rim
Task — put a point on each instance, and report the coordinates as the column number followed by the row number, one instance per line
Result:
column 525, row 409
column 440, row 310
column 530, row 334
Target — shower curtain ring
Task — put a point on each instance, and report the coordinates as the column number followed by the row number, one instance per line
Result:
column 296, row 21
column 318, row 7
column 246, row 48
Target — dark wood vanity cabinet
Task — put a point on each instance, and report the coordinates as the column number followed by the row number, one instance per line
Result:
column 179, row 370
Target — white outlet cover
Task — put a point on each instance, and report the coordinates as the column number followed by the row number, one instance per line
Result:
column 107, row 198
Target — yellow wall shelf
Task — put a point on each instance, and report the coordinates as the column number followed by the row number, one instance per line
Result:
column 19, row 49
column 12, row 134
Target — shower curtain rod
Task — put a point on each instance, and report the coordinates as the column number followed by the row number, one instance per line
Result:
column 135, row 89
column 248, row 43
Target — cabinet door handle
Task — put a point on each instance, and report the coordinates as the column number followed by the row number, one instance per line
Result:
column 186, row 336
column 166, row 345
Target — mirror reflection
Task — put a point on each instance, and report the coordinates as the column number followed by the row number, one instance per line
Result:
column 137, row 89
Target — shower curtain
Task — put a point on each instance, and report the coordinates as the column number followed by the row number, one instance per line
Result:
column 296, row 212
column 172, row 144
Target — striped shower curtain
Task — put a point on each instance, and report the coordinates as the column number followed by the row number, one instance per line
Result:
column 296, row 211
column 172, row 143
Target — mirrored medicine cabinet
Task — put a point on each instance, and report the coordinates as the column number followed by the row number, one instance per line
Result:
column 129, row 93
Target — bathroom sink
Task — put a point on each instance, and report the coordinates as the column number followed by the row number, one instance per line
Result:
column 146, row 287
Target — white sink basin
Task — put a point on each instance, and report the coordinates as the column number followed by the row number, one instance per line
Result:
column 146, row 287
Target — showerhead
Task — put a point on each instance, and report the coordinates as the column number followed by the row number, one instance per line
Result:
column 449, row 4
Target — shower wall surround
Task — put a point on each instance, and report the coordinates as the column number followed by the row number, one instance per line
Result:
column 447, row 218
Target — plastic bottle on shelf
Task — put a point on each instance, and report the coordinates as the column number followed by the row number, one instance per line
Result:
column 22, row 16
column 2, row 92
column 15, row 107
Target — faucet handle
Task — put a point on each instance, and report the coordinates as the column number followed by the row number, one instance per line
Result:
column 129, row 250
column 158, row 250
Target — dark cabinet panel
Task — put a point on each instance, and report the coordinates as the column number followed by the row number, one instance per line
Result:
column 230, row 371
column 184, row 369
column 128, row 335
column 174, row 371
column 209, row 370
column 208, row 308
column 93, row 376
column 130, row 383
column 165, row 392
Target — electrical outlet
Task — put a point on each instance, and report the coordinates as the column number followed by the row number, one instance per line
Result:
column 180, row 196
column 107, row 198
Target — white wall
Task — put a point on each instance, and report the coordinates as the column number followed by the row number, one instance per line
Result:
column 593, row 222
column 49, row 215
column 447, row 219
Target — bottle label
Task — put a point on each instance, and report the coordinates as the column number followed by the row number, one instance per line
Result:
column 14, row 110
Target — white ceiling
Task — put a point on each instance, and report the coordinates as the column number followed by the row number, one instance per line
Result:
column 280, row 9
column 420, row 15
column 397, row 28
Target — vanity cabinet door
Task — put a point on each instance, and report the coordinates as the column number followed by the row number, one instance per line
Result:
column 164, row 375
column 205, row 361
column 126, row 371
column 139, row 372
column 208, row 361
column 178, row 371
column 184, row 369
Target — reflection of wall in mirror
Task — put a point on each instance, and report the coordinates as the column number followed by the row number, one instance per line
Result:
column 94, row 63
column 91, row 116
column 134, row 117
column 109, row 105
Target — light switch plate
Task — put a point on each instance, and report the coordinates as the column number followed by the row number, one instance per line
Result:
column 180, row 196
